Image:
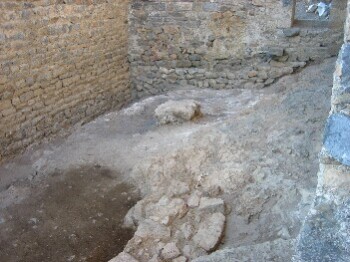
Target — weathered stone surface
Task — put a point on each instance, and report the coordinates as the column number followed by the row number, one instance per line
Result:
column 177, row 111
column 345, row 68
column 326, row 233
column 193, row 200
column 152, row 229
column 180, row 259
column 277, row 250
column 337, row 138
column 211, row 205
column 210, row 231
column 123, row 257
column 290, row 32
column 170, row 251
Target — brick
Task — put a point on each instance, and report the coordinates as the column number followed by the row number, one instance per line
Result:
column 52, row 66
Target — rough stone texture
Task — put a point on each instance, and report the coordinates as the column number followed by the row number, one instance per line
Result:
column 325, row 235
column 210, row 232
column 177, row 111
column 278, row 250
column 61, row 63
column 211, row 204
column 123, row 257
column 222, row 44
column 170, row 251
column 337, row 138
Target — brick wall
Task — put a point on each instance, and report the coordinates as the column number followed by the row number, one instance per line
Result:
column 222, row 43
column 61, row 62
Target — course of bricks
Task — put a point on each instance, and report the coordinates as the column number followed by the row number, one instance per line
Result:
column 62, row 62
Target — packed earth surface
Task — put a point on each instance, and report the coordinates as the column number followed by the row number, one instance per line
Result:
column 237, row 175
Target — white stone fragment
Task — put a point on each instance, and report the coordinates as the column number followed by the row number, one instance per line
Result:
column 210, row 232
column 151, row 229
column 177, row 111
column 123, row 257
column 212, row 204
column 193, row 200
column 180, row 259
column 312, row 8
column 170, row 251
column 187, row 230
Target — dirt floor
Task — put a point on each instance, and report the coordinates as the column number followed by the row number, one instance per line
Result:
column 72, row 216
column 255, row 149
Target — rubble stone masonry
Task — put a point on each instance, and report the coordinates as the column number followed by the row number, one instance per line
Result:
column 223, row 44
column 61, row 62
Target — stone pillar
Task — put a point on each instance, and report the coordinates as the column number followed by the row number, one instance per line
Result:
column 325, row 235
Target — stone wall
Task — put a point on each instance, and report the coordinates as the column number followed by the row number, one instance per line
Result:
column 61, row 62
column 326, row 233
column 222, row 43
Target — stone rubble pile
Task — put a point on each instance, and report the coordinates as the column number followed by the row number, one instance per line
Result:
column 174, row 228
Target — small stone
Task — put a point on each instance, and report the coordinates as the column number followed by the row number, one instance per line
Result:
column 152, row 229
column 180, row 259
column 274, row 63
column 283, row 58
column 133, row 216
column 155, row 258
column 123, row 257
column 187, row 230
column 170, row 251
column 212, row 204
column 179, row 188
column 166, row 220
column 249, row 85
column 269, row 81
column 210, row 232
column 274, row 51
column 290, row 32
column 312, row 8
column 195, row 57
column 193, row 200
column 298, row 64
column 284, row 233
column 252, row 74
column 192, row 252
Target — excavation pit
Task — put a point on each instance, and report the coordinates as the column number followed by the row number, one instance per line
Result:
column 75, row 215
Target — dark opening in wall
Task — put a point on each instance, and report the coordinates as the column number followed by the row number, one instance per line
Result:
column 312, row 12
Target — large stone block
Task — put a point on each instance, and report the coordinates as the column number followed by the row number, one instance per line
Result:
column 337, row 138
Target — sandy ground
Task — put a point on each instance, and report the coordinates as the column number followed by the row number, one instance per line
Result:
column 65, row 200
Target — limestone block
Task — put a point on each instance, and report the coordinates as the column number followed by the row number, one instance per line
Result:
column 210, row 232
column 170, row 251
column 152, row 229
column 177, row 111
